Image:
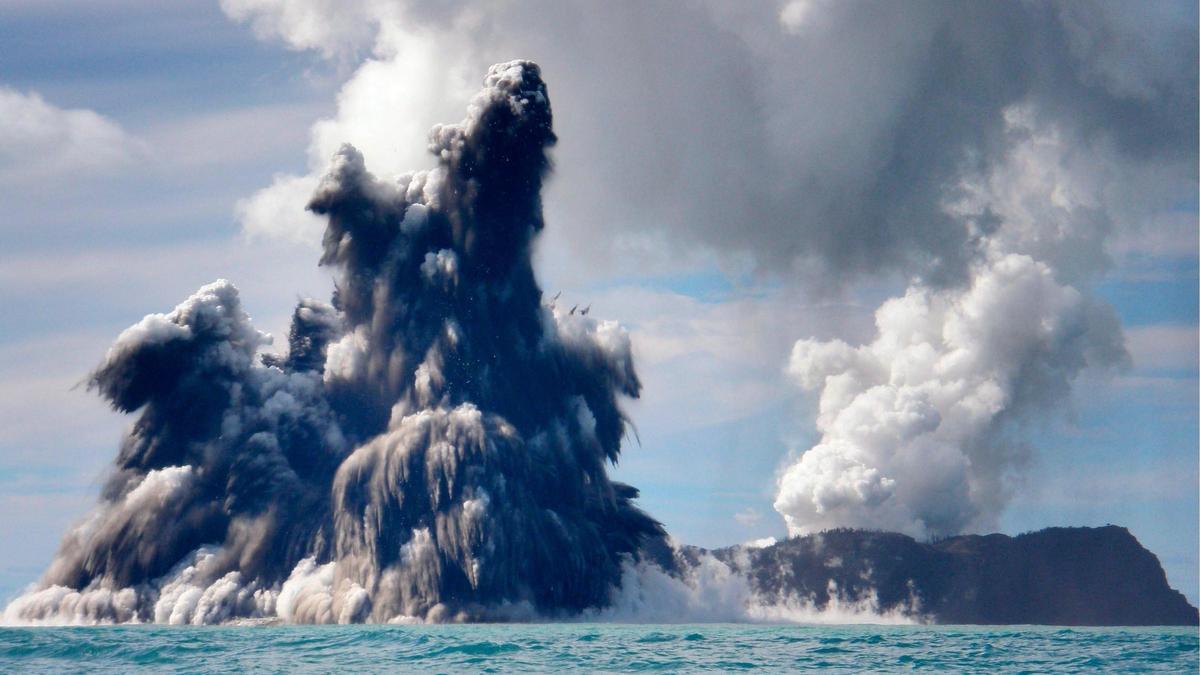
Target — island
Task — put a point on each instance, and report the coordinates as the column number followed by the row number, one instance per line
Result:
column 1067, row 576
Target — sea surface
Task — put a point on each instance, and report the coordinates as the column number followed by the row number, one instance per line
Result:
column 597, row 648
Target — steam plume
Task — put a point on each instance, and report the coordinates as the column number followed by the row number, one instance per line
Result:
column 432, row 446
column 921, row 429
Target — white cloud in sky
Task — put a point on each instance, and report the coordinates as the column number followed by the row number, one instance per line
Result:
column 798, row 14
column 1095, row 487
column 1164, row 347
column 86, row 180
column 330, row 26
column 1164, row 234
column 231, row 137
column 39, row 140
column 387, row 107
column 277, row 212
column 748, row 517
column 708, row 362
column 46, row 415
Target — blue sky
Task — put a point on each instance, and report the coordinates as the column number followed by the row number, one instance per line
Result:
column 199, row 112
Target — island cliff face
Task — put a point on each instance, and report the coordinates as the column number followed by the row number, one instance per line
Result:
column 1060, row 576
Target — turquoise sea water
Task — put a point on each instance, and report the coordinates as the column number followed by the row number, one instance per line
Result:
column 597, row 647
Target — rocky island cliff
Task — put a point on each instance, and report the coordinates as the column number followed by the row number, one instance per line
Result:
column 1061, row 576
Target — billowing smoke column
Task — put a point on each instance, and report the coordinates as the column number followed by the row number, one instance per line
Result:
column 433, row 445
column 913, row 423
column 921, row 429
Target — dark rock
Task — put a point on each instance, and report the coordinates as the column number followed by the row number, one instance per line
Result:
column 1062, row 576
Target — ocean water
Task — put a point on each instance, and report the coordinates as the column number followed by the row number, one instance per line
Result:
column 597, row 648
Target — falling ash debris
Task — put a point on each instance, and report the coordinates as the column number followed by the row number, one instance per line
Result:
column 432, row 446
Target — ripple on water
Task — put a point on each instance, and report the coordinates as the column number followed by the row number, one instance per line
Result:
column 477, row 649
column 596, row 647
column 651, row 638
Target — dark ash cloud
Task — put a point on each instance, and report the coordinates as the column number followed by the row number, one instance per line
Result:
column 433, row 446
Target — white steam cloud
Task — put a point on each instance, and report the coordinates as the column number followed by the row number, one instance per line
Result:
column 921, row 427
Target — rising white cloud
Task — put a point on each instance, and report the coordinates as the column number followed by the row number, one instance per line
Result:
column 921, row 426
column 914, row 434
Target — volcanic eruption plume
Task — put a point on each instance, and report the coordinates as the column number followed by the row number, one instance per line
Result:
column 432, row 446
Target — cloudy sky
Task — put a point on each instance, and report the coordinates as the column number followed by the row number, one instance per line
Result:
column 917, row 266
